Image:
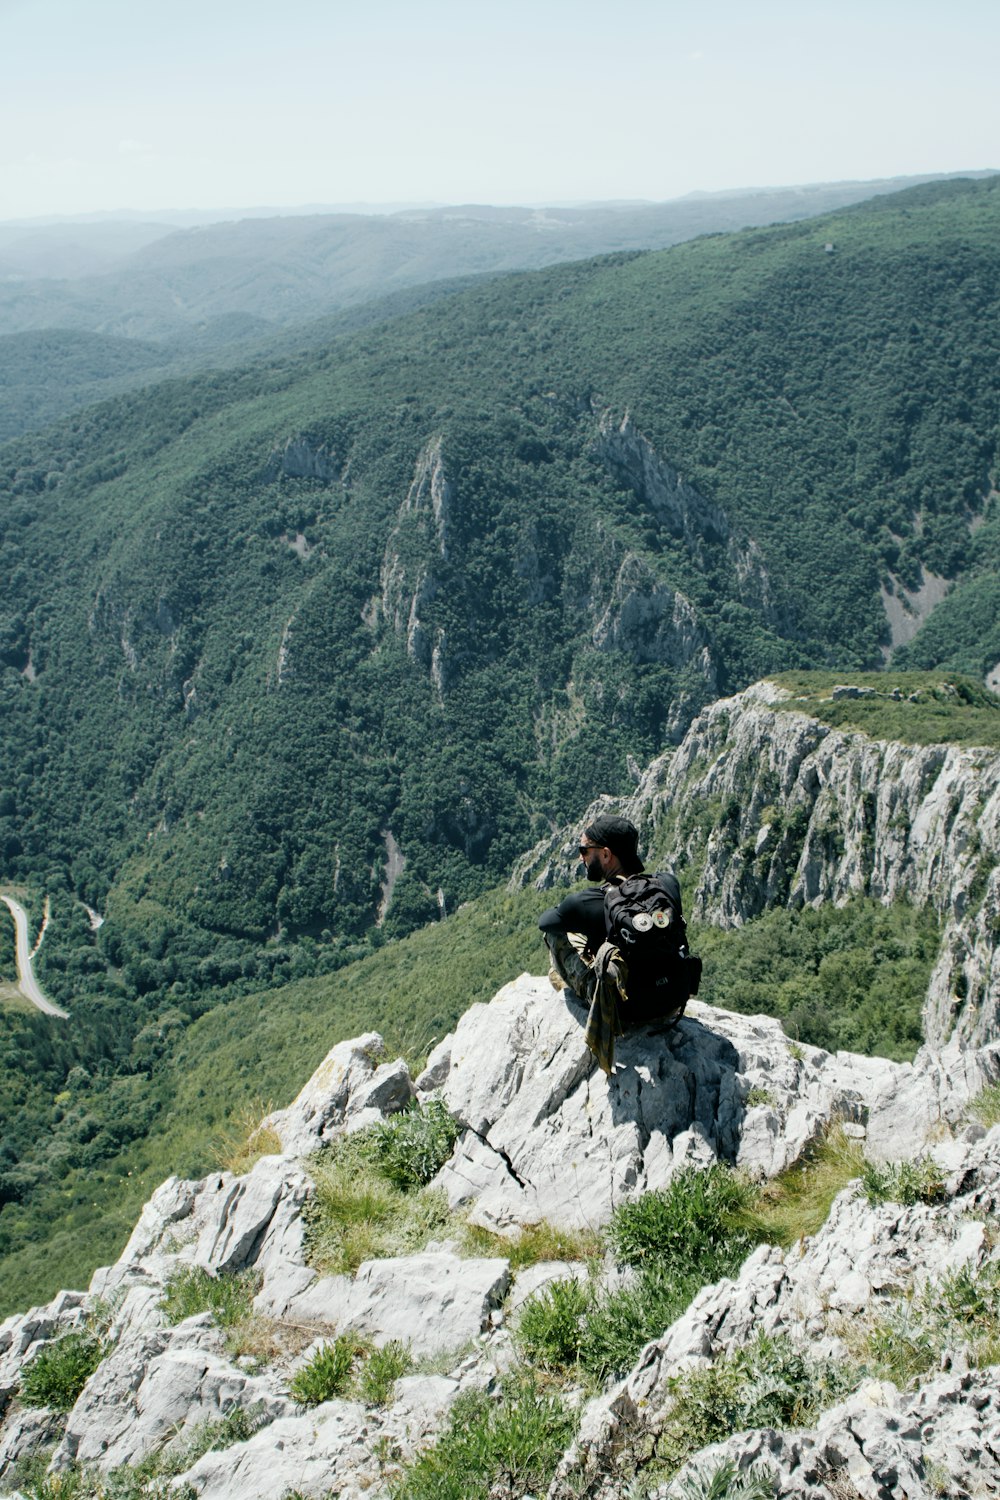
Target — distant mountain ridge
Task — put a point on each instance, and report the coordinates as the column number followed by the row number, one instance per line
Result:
column 219, row 290
column 305, row 266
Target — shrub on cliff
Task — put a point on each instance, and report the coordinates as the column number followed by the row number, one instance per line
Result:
column 59, row 1372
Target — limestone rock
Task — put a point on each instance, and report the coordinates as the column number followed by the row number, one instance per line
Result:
column 548, row 1136
column 334, row 1448
column 294, row 1453
column 28, row 1432
column 879, row 1442
column 436, row 1070
column 351, row 1079
column 434, row 1302
column 154, row 1389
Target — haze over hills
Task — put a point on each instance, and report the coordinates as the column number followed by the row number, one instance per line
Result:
column 210, row 291
column 77, row 245
column 298, row 657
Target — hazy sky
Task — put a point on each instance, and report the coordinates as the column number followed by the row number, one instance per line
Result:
column 144, row 104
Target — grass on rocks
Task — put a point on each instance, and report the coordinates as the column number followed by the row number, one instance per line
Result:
column 371, row 1191
column 228, row 1296
column 985, row 1107
column 797, row 1203
column 770, row 1383
column 57, row 1374
column 673, row 1241
column 60, row 1370
column 533, row 1243
column 678, row 1239
column 371, row 1199
column 917, row 708
column 509, row 1446
column 370, row 1196
column 245, row 1138
column 155, row 1478
column 906, row 1182
column 961, row 1311
column 351, row 1366
column 725, row 1482
column 249, row 1335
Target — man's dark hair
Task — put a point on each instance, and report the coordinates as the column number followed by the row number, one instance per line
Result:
column 609, row 831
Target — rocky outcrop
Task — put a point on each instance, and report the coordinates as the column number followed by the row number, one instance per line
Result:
column 865, row 1259
column 543, row 1135
column 881, row 1441
column 782, row 809
column 689, row 516
column 409, row 580
column 303, row 458
column 649, row 622
column 683, row 509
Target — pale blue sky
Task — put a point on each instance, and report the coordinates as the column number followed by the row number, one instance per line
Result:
column 142, row 104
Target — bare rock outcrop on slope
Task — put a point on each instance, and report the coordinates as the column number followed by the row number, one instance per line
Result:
column 544, row 1134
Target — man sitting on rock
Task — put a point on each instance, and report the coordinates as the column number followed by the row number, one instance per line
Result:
column 583, row 959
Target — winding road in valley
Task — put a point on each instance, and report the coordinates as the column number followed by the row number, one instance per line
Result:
column 27, row 983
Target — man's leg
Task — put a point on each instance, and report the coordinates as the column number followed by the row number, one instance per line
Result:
column 569, row 969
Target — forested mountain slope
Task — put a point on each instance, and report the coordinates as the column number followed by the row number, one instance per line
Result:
column 301, row 653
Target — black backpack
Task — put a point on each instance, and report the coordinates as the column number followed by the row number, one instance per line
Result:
column 642, row 914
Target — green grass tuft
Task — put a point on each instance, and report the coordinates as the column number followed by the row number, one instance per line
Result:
column 699, row 1227
column 509, row 1446
column 797, row 1202
column 770, row 1383
column 355, row 1215
column 623, row 1321
column 986, row 1106
column 904, row 1182
column 60, row 1370
column 533, row 1243
column 550, row 1329
column 411, row 1148
column 327, row 1373
column 228, row 1297
column 726, row 1482
column 700, row 1220
column 369, row 1199
column 381, row 1369
column 959, row 1311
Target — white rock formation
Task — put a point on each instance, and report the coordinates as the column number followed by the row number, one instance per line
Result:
column 546, row 1135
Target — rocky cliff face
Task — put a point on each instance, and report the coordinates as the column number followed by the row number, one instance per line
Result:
column 416, row 546
column 542, row 1135
column 700, row 524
